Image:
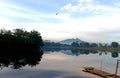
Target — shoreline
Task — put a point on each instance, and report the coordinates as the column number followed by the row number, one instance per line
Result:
column 102, row 49
column 82, row 48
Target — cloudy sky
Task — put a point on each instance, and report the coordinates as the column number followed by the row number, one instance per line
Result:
column 89, row 20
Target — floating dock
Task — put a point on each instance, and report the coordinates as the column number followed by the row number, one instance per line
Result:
column 98, row 72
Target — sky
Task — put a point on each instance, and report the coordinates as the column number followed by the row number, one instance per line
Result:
column 89, row 20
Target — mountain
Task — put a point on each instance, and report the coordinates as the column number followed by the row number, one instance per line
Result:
column 70, row 41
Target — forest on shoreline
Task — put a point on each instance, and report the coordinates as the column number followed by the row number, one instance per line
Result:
column 114, row 46
column 20, row 38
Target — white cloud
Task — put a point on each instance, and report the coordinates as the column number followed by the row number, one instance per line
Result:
column 91, row 6
column 103, row 26
column 98, row 27
column 67, row 6
column 88, row 1
column 10, row 11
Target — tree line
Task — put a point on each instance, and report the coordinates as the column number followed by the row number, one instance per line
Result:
column 82, row 45
column 87, row 45
column 20, row 38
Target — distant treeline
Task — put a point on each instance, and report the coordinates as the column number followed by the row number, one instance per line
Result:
column 101, row 45
column 20, row 38
column 82, row 45
column 54, row 45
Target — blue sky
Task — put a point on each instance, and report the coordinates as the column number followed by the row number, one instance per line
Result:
column 89, row 20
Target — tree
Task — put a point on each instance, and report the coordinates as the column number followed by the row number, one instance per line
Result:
column 19, row 38
column 84, row 44
column 75, row 44
column 93, row 45
column 100, row 45
column 114, row 44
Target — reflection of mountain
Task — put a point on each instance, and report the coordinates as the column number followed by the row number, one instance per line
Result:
column 72, row 52
column 19, row 58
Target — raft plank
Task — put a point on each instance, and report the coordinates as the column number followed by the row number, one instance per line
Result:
column 99, row 72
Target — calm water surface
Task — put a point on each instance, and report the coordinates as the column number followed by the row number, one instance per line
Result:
column 58, row 64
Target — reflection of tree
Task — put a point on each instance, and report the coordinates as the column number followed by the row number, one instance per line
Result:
column 77, row 52
column 19, row 58
column 101, row 52
column 85, row 52
column 114, row 54
column 51, row 49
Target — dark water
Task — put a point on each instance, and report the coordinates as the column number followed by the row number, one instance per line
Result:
column 55, row 63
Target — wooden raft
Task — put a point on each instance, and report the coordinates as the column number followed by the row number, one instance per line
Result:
column 99, row 72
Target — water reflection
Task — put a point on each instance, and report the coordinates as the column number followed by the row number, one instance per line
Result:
column 18, row 58
column 114, row 54
column 102, row 52
column 78, row 52
column 56, row 64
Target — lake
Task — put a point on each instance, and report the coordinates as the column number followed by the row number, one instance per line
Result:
column 57, row 64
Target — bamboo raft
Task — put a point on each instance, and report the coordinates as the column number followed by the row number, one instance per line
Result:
column 99, row 72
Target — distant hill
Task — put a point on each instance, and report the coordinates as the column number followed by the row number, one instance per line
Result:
column 70, row 41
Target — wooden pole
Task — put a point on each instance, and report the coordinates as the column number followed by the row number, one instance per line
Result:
column 101, row 65
column 116, row 68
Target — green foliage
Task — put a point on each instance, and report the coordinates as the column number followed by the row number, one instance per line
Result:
column 94, row 45
column 75, row 44
column 84, row 44
column 54, row 44
column 19, row 38
column 114, row 44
